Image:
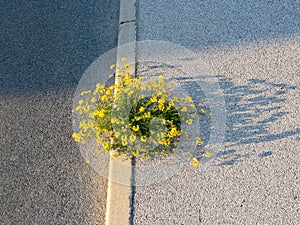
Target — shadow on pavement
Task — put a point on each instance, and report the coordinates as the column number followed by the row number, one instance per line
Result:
column 245, row 105
column 45, row 48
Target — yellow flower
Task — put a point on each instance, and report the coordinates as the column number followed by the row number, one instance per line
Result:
column 132, row 138
column 136, row 80
column 165, row 142
column 123, row 59
column 85, row 92
column 161, row 107
column 143, row 138
column 127, row 77
column 189, row 121
column 100, row 113
column 168, row 142
column 105, row 145
column 147, row 154
column 82, row 123
column 161, row 76
column 99, row 138
column 77, row 137
column 124, row 142
column 112, row 66
column 160, row 135
column 143, row 87
column 153, row 99
column 105, row 131
column 104, row 97
column 135, row 153
column 78, row 108
column 87, row 108
column 174, row 132
column 91, row 114
column 142, row 109
column 147, row 115
column 108, row 92
column 209, row 116
column 178, row 133
column 80, row 102
column 161, row 82
column 136, row 128
column 114, row 120
column 198, row 140
column 203, row 111
column 137, row 118
column 188, row 99
column 127, row 81
column 195, row 162
column 91, row 124
column 99, row 87
column 175, row 98
column 126, row 66
column 87, row 161
column 161, row 101
column 117, row 134
column 184, row 109
column 207, row 154
column 93, row 99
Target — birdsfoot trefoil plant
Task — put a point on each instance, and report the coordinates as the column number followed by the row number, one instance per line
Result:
column 136, row 119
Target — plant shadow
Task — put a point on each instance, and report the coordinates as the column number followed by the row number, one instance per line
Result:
column 250, row 110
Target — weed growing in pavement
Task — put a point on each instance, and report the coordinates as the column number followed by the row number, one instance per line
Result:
column 124, row 120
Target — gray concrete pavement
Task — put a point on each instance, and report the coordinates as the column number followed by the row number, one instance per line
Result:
column 45, row 48
column 253, row 49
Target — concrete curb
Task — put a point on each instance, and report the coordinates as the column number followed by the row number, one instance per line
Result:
column 118, row 195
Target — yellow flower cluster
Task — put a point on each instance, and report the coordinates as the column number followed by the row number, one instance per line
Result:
column 147, row 115
column 86, row 125
column 153, row 99
column 99, row 113
column 174, row 132
column 78, row 137
column 165, row 142
column 100, row 123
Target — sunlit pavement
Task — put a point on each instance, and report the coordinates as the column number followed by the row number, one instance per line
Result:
column 253, row 49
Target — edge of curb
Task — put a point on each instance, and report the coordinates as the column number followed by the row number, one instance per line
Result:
column 118, row 195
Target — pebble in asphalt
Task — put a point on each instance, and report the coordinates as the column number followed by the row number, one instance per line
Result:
column 45, row 48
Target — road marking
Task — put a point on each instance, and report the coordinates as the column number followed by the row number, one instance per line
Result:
column 118, row 195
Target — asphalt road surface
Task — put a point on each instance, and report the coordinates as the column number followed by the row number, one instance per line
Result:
column 45, row 48
column 253, row 49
